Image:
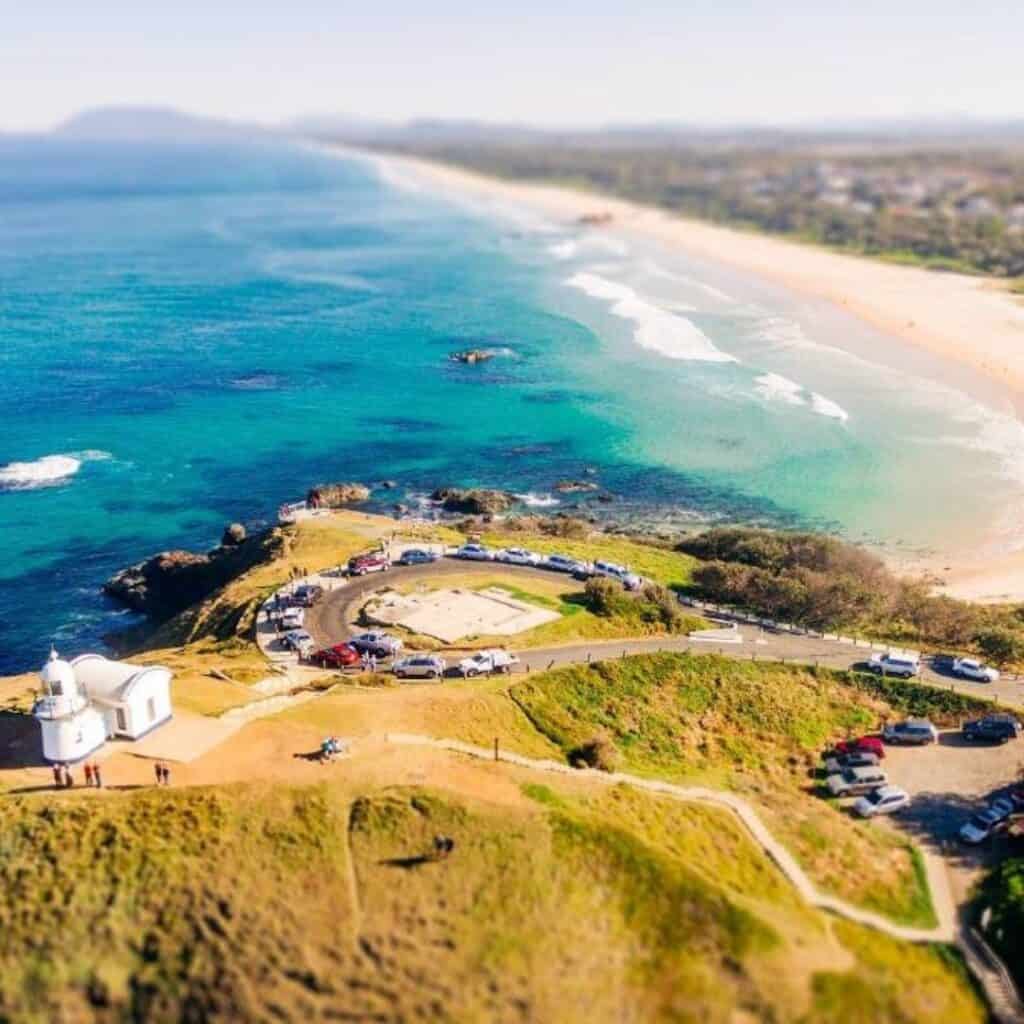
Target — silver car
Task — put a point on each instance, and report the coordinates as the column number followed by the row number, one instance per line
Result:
column 420, row 666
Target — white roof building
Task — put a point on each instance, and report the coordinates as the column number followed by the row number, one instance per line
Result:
column 90, row 699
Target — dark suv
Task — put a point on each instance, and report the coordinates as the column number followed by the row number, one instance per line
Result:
column 991, row 729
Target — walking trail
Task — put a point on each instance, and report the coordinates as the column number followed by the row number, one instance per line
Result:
column 1003, row 1000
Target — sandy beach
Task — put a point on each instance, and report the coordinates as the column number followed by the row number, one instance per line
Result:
column 969, row 321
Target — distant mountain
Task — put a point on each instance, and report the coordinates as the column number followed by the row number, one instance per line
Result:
column 133, row 123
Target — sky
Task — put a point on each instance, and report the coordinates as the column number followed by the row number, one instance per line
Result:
column 569, row 63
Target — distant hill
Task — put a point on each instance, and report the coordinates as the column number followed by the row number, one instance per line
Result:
column 152, row 123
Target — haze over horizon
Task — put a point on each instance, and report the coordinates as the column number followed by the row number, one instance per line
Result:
column 584, row 65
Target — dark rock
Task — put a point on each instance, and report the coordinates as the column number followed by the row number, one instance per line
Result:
column 337, row 495
column 606, row 498
column 171, row 581
column 234, row 534
column 474, row 501
column 471, row 356
column 574, row 486
column 389, row 485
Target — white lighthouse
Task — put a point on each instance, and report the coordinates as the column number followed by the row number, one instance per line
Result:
column 72, row 728
column 92, row 698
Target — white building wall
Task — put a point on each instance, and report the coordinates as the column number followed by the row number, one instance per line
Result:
column 148, row 703
column 71, row 739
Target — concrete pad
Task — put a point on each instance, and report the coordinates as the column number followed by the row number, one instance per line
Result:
column 184, row 738
column 450, row 615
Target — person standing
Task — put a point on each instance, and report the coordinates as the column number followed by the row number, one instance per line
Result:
column 97, row 778
column 58, row 778
column 88, row 773
column 167, row 775
column 68, row 779
column 158, row 772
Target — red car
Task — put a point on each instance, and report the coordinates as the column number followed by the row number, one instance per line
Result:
column 338, row 656
column 362, row 564
column 862, row 745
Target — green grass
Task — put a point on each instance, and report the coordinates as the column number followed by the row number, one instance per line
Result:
column 755, row 727
column 305, row 903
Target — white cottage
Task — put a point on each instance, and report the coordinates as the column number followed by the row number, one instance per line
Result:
column 91, row 698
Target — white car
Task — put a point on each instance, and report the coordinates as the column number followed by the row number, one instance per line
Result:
column 518, row 556
column 883, row 800
column 981, row 826
column 495, row 660
column 475, row 553
column 293, row 618
column 420, row 666
column 299, row 641
column 896, row 663
column 628, row 579
column 563, row 563
column 971, row 668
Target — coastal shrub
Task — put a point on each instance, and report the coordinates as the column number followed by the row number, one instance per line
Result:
column 1000, row 645
column 654, row 605
column 1003, row 894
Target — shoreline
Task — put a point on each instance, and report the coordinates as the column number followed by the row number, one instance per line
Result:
column 926, row 310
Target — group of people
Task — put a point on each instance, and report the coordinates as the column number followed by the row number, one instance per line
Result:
column 368, row 661
column 63, row 779
column 162, row 773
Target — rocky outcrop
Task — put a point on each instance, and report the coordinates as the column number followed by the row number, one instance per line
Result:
column 337, row 495
column 474, row 501
column 574, row 486
column 234, row 534
column 471, row 356
column 171, row 581
column 595, row 220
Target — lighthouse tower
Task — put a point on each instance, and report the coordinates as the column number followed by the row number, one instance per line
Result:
column 72, row 728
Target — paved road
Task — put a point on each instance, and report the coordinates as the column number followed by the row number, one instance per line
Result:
column 330, row 622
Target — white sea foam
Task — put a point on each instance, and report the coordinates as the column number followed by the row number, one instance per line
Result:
column 826, row 407
column 569, row 248
column 48, row 471
column 660, row 331
column 773, row 387
column 564, row 250
column 534, row 500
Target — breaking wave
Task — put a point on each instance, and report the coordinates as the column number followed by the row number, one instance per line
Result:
column 48, row 471
column 533, row 500
column 773, row 387
column 660, row 331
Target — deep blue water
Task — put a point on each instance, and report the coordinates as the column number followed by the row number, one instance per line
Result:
column 190, row 335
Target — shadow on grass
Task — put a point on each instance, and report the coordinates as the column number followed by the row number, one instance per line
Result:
column 407, row 863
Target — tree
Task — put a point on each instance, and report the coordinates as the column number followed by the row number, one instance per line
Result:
column 1000, row 645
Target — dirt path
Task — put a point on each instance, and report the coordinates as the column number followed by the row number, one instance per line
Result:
column 951, row 928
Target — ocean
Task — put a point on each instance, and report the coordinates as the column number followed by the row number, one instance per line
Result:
column 192, row 334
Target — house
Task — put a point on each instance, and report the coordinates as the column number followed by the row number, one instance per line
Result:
column 91, row 699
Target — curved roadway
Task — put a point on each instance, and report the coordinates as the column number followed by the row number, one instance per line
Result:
column 331, row 621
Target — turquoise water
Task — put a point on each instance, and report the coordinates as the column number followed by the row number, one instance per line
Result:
column 191, row 335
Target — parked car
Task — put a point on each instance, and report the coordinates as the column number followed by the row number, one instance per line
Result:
column 883, row 800
column 420, row 666
column 856, row 759
column 377, row 643
column 991, row 729
column 971, row 668
column 1003, row 806
column 495, row 660
column 518, row 556
column 338, row 656
column 981, row 826
column 299, row 641
column 896, row 663
column 912, row 732
column 856, row 781
column 292, row 618
column 563, row 563
column 475, row 553
column 417, row 556
column 868, row 744
column 628, row 579
column 360, row 565
column 307, row 595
